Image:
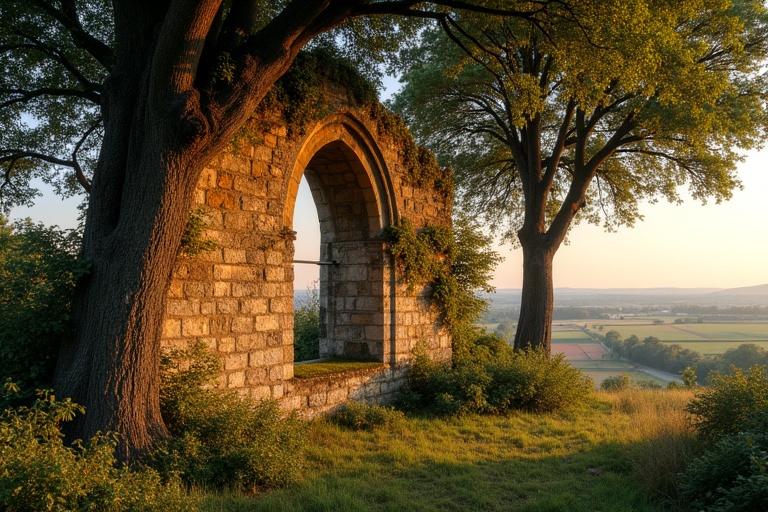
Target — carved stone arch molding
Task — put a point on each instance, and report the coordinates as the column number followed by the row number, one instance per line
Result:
column 239, row 298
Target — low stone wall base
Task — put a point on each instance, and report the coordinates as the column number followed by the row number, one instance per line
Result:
column 325, row 394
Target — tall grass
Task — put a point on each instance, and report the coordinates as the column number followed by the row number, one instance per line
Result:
column 660, row 436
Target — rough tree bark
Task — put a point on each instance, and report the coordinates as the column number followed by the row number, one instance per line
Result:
column 541, row 237
column 535, row 323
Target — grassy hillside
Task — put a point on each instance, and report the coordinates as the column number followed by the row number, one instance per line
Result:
column 605, row 456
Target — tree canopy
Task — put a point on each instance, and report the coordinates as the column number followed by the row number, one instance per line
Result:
column 589, row 109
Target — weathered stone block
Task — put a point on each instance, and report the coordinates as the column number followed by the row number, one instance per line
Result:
column 182, row 307
column 236, row 361
column 194, row 326
column 172, row 328
column 236, row 380
column 225, row 345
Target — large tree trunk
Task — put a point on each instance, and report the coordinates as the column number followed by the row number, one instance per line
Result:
column 534, row 328
column 160, row 130
column 111, row 365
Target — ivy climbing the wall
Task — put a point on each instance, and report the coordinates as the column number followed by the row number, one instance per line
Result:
column 453, row 264
column 194, row 241
column 422, row 166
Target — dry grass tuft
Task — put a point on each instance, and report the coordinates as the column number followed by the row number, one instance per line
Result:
column 660, row 435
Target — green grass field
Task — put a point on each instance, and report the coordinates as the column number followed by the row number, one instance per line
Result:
column 577, row 461
column 705, row 338
column 571, row 336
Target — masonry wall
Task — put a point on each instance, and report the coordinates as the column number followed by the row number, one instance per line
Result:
column 238, row 299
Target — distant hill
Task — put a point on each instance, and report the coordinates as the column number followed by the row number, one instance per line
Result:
column 761, row 289
column 642, row 296
column 635, row 291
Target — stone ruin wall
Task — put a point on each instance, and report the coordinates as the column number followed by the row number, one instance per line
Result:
column 238, row 299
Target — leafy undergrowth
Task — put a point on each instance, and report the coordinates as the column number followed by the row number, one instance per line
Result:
column 585, row 459
column 329, row 366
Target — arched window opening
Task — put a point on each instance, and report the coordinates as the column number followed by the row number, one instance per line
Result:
column 306, row 277
column 349, row 294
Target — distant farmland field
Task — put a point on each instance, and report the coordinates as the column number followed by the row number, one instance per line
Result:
column 592, row 358
column 705, row 338
column 573, row 336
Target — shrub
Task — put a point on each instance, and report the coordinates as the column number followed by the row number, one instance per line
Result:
column 731, row 476
column 735, row 402
column 219, row 438
column 490, row 377
column 38, row 271
column 533, row 381
column 616, row 383
column 306, row 327
column 361, row 416
column 39, row 472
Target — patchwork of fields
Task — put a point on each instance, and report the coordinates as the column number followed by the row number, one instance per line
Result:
column 705, row 338
column 591, row 356
column 584, row 352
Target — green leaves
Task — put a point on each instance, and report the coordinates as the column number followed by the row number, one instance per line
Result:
column 614, row 101
column 38, row 272
column 454, row 263
column 50, row 93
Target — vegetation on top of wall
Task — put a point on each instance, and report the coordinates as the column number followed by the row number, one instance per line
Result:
column 301, row 97
column 301, row 93
column 332, row 365
column 421, row 163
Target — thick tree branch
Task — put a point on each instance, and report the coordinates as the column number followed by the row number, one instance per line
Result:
column 79, row 174
column 614, row 143
column 553, row 162
column 23, row 96
column 70, row 20
column 405, row 8
column 179, row 46
column 54, row 54
column 11, row 155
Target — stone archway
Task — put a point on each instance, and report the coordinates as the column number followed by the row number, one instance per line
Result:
column 353, row 198
column 239, row 298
